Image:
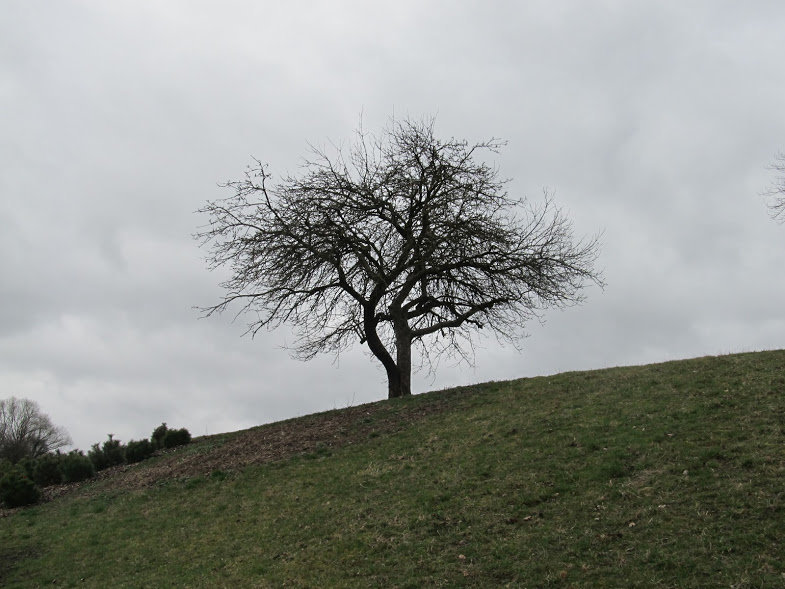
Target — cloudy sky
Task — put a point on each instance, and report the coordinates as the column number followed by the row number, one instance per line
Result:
column 651, row 122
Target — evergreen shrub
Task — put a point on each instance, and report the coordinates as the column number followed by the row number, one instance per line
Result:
column 27, row 464
column 111, row 453
column 136, row 451
column 5, row 466
column 47, row 470
column 158, row 436
column 17, row 489
column 176, row 437
column 76, row 467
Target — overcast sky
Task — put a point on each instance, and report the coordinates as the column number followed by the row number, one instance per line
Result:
column 652, row 122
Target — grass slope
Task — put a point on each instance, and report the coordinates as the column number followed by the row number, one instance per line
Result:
column 668, row 475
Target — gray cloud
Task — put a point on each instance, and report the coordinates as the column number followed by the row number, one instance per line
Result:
column 652, row 123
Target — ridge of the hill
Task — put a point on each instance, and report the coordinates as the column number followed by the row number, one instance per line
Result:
column 664, row 475
column 318, row 432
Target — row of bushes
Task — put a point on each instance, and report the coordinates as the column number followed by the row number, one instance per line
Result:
column 112, row 452
column 21, row 483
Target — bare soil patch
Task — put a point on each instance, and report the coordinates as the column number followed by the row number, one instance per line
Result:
column 263, row 444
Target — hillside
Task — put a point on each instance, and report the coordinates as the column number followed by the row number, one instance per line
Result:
column 654, row 476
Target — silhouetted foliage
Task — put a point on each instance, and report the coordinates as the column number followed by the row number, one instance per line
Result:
column 176, row 437
column 158, row 435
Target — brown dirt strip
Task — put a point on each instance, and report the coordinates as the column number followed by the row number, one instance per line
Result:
column 259, row 445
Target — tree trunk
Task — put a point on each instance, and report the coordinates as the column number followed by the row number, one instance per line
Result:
column 393, row 383
column 403, row 348
column 394, row 379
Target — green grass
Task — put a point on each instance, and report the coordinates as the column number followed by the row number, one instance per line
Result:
column 667, row 475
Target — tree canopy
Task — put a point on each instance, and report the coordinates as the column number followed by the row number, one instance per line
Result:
column 26, row 432
column 405, row 240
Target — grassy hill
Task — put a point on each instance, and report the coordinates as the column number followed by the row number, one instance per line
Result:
column 669, row 475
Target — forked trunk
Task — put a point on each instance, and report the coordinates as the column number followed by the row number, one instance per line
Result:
column 399, row 370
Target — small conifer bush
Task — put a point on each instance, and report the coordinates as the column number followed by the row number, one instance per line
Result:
column 158, row 436
column 27, row 464
column 17, row 489
column 96, row 456
column 136, row 451
column 47, row 470
column 111, row 453
column 5, row 466
column 76, row 467
column 176, row 437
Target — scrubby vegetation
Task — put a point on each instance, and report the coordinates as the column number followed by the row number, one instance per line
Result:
column 45, row 470
column 176, row 437
column 16, row 487
column 136, row 451
column 76, row 467
column 159, row 433
column 111, row 453
column 21, row 483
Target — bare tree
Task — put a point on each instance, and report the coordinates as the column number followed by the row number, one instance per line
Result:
column 26, row 432
column 404, row 240
column 777, row 189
